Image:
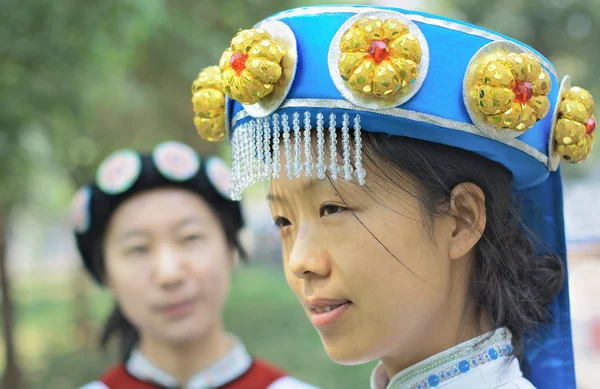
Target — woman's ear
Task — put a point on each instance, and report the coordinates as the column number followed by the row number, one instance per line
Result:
column 467, row 207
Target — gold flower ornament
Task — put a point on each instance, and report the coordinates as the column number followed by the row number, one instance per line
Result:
column 574, row 133
column 379, row 58
column 251, row 66
column 209, row 104
column 508, row 91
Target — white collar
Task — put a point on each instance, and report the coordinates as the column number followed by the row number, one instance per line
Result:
column 231, row 366
column 490, row 351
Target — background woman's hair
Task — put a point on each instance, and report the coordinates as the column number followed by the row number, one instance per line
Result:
column 117, row 328
column 510, row 284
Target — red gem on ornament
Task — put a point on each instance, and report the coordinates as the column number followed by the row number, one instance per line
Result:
column 590, row 126
column 238, row 62
column 378, row 51
column 523, row 92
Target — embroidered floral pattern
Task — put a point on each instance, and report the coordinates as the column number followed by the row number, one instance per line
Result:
column 463, row 366
column 176, row 161
column 119, row 171
column 219, row 175
column 80, row 210
column 449, row 365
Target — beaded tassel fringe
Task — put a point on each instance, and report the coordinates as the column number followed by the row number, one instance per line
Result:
column 256, row 156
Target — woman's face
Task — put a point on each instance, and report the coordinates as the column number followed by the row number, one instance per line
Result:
column 168, row 264
column 363, row 265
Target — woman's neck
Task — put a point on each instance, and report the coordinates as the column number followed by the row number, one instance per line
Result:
column 184, row 360
column 455, row 324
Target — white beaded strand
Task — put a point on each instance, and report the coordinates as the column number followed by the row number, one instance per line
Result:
column 308, row 164
column 242, row 146
column 333, row 167
column 242, row 155
column 346, row 147
column 297, row 141
column 258, row 158
column 359, row 171
column 248, row 154
column 321, row 167
column 251, row 153
column 235, row 165
column 276, row 157
column 266, row 149
column 287, row 145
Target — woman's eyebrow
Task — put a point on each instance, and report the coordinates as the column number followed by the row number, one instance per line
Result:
column 306, row 187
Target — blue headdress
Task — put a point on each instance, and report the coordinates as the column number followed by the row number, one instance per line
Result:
column 338, row 70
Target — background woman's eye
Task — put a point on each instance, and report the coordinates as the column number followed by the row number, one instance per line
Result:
column 331, row 209
column 281, row 222
column 192, row 237
column 138, row 250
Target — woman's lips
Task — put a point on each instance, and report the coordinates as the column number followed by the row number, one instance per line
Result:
column 179, row 309
column 326, row 311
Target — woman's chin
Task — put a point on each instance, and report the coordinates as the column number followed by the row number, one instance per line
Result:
column 349, row 354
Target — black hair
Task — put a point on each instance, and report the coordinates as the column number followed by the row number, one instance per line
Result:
column 511, row 284
column 91, row 243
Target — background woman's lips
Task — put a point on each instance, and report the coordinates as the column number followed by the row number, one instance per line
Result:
column 178, row 309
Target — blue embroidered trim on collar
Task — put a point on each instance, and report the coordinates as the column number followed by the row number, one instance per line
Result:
column 464, row 366
column 450, row 364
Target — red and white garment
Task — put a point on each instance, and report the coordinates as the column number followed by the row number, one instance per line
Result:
column 237, row 370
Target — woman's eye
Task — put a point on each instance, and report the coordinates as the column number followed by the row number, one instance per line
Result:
column 138, row 250
column 281, row 222
column 331, row 209
column 192, row 238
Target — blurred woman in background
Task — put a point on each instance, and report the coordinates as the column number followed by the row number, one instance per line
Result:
column 160, row 233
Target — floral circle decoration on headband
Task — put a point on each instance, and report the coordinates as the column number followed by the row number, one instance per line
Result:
column 574, row 125
column 505, row 90
column 119, row 171
column 378, row 59
column 209, row 104
column 219, row 175
column 176, row 161
column 80, row 210
column 259, row 67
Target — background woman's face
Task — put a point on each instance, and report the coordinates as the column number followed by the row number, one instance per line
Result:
column 168, row 264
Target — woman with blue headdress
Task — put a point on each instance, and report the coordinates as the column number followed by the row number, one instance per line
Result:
column 415, row 182
column 161, row 233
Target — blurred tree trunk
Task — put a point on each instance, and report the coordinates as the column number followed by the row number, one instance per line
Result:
column 12, row 376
